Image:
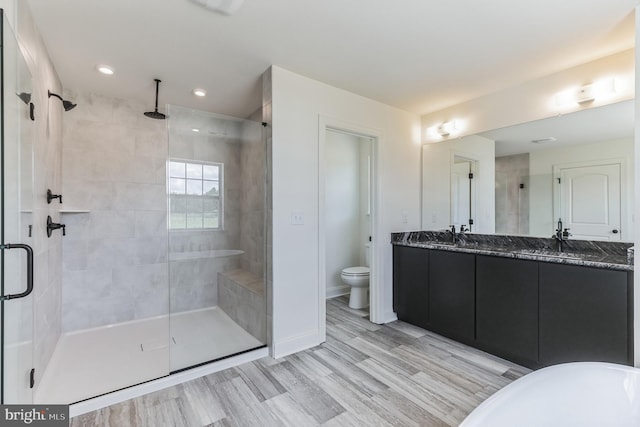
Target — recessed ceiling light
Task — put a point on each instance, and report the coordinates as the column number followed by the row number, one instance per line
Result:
column 105, row 69
column 199, row 92
column 195, row 130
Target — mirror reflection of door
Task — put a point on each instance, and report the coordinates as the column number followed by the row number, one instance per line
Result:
column 590, row 205
column 462, row 192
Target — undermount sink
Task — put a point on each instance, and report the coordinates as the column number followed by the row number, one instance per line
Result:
column 442, row 244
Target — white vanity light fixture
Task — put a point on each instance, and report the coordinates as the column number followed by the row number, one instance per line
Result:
column 444, row 130
column 598, row 90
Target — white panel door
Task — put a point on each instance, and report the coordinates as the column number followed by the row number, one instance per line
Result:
column 590, row 201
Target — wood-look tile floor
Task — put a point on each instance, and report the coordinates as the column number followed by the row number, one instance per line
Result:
column 363, row 375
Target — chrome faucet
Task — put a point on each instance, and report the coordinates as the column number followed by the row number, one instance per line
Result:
column 463, row 229
column 561, row 235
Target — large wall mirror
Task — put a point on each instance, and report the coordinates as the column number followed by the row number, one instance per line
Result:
column 576, row 168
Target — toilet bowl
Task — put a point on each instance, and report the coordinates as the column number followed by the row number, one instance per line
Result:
column 358, row 279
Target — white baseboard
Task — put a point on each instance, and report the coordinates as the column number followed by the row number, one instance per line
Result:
column 389, row 317
column 336, row 291
column 295, row 344
column 164, row 382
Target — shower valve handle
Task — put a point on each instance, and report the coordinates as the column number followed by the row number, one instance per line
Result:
column 51, row 196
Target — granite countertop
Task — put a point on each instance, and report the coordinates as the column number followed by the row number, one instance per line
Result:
column 608, row 255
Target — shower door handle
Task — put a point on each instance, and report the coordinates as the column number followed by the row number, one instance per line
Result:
column 29, row 252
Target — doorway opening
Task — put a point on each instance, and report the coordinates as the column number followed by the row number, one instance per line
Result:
column 347, row 183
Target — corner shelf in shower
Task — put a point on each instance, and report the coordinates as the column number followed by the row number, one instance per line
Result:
column 73, row 211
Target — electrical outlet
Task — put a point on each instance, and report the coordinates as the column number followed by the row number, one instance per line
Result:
column 433, row 218
column 405, row 217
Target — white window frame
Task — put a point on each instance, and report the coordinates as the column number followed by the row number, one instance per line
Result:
column 219, row 197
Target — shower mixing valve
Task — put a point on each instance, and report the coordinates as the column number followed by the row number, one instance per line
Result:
column 54, row 226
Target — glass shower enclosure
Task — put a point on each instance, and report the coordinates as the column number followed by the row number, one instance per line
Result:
column 16, row 211
column 216, row 221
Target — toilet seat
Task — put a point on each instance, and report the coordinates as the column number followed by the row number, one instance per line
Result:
column 356, row 271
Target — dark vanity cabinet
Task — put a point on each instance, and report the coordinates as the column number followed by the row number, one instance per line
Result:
column 507, row 308
column 410, row 285
column 452, row 294
column 584, row 314
column 534, row 313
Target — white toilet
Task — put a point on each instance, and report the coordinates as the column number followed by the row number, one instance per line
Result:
column 358, row 279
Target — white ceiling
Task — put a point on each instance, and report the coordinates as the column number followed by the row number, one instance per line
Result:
column 418, row 55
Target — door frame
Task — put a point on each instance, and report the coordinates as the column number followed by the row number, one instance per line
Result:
column 376, row 306
column 475, row 168
column 626, row 212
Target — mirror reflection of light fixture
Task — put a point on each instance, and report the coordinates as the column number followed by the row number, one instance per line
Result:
column 67, row 105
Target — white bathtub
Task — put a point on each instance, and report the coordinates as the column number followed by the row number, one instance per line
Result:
column 582, row 394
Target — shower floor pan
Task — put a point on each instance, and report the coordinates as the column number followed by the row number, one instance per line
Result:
column 96, row 361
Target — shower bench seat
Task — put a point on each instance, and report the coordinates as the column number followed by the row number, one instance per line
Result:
column 241, row 294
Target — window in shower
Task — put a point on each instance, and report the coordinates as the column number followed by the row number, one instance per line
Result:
column 196, row 190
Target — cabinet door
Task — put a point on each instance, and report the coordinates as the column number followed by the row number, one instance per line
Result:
column 452, row 294
column 507, row 308
column 410, row 284
column 583, row 315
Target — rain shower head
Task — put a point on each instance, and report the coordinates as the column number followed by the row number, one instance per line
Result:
column 67, row 105
column 155, row 114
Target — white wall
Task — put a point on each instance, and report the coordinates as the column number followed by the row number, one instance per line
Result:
column 541, row 163
column 297, row 106
column 437, row 161
column 342, row 208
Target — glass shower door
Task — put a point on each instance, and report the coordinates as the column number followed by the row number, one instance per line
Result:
column 16, row 256
column 216, row 196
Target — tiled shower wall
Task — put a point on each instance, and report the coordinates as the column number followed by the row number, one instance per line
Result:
column 115, row 255
column 252, row 202
column 512, row 194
